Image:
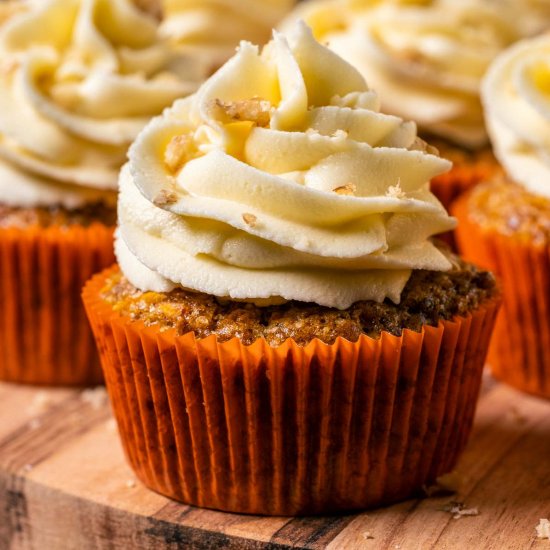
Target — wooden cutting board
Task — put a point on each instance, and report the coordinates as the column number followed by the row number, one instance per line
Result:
column 64, row 485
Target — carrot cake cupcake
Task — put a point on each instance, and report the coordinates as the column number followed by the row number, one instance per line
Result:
column 505, row 223
column 282, row 335
column 78, row 80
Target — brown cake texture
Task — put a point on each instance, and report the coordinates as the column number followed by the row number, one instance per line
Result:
column 510, row 209
column 48, row 216
column 428, row 298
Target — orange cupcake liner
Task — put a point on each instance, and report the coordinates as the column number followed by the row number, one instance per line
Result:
column 45, row 337
column 520, row 351
column 450, row 186
column 290, row 430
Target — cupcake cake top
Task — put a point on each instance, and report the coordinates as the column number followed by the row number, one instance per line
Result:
column 280, row 180
column 426, row 58
column 516, row 97
column 78, row 80
column 212, row 29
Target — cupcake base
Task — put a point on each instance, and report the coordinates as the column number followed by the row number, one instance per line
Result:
column 44, row 334
column 520, row 350
column 290, row 430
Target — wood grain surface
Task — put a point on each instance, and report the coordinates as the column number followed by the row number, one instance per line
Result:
column 64, row 485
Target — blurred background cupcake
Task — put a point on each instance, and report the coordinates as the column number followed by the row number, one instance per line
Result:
column 78, row 80
column 427, row 59
column 212, row 29
column 302, row 344
column 505, row 223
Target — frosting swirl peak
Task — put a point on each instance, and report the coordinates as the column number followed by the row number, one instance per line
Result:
column 516, row 96
column 280, row 179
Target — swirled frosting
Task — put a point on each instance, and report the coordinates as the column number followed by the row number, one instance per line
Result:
column 516, row 97
column 426, row 58
column 78, row 80
column 212, row 29
column 280, row 179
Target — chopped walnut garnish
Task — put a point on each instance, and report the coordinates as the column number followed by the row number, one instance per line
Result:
column 250, row 219
column 348, row 189
column 255, row 109
column 178, row 152
column 420, row 145
column 395, row 191
column 164, row 197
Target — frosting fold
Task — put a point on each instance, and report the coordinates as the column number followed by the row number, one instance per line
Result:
column 426, row 58
column 516, row 96
column 280, row 179
column 212, row 29
column 78, row 80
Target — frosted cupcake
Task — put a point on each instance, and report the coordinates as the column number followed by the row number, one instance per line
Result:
column 505, row 224
column 212, row 29
column 282, row 335
column 427, row 59
column 78, row 80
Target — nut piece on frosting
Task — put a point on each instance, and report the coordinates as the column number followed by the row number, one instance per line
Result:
column 290, row 192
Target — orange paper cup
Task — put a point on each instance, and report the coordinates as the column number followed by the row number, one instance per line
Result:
column 520, row 350
column 290, row 430
column 44, row 334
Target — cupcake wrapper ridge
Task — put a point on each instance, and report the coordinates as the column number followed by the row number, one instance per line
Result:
column 290, row 430
column 520, row 351
column 45, row 337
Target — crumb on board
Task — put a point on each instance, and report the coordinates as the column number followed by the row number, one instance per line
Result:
column 458, row 510
column 40, row 403
column 367, row 535
column 131, row 483
column 543, row 529
column 95, row 397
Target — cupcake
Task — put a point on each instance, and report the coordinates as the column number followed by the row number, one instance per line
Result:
column 78, row 81
column 281, row 335
column 212, row 29
column 427, row 59
column 505, row 223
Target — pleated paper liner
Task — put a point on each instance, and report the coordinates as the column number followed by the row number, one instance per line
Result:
column 520, row 350
column 462, row 177
column 45, row 337
column 290, row 430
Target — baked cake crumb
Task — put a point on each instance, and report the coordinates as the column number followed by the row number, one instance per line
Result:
column 428, row 298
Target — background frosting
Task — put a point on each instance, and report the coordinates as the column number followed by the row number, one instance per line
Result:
column 212, row 29
column 426, row 58
column 516, row 97
column 280, row 179
column 78, row 80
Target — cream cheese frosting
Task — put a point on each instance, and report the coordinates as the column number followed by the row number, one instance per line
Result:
column 212, row 29
column 516, row 97
column 280, row 180
column 78, row 80
column 426, row 58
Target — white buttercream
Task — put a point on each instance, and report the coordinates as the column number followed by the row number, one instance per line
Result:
column 78, row 80
column 516, row 96
column 425, row 58
column 212, row 29
column 255, row 208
